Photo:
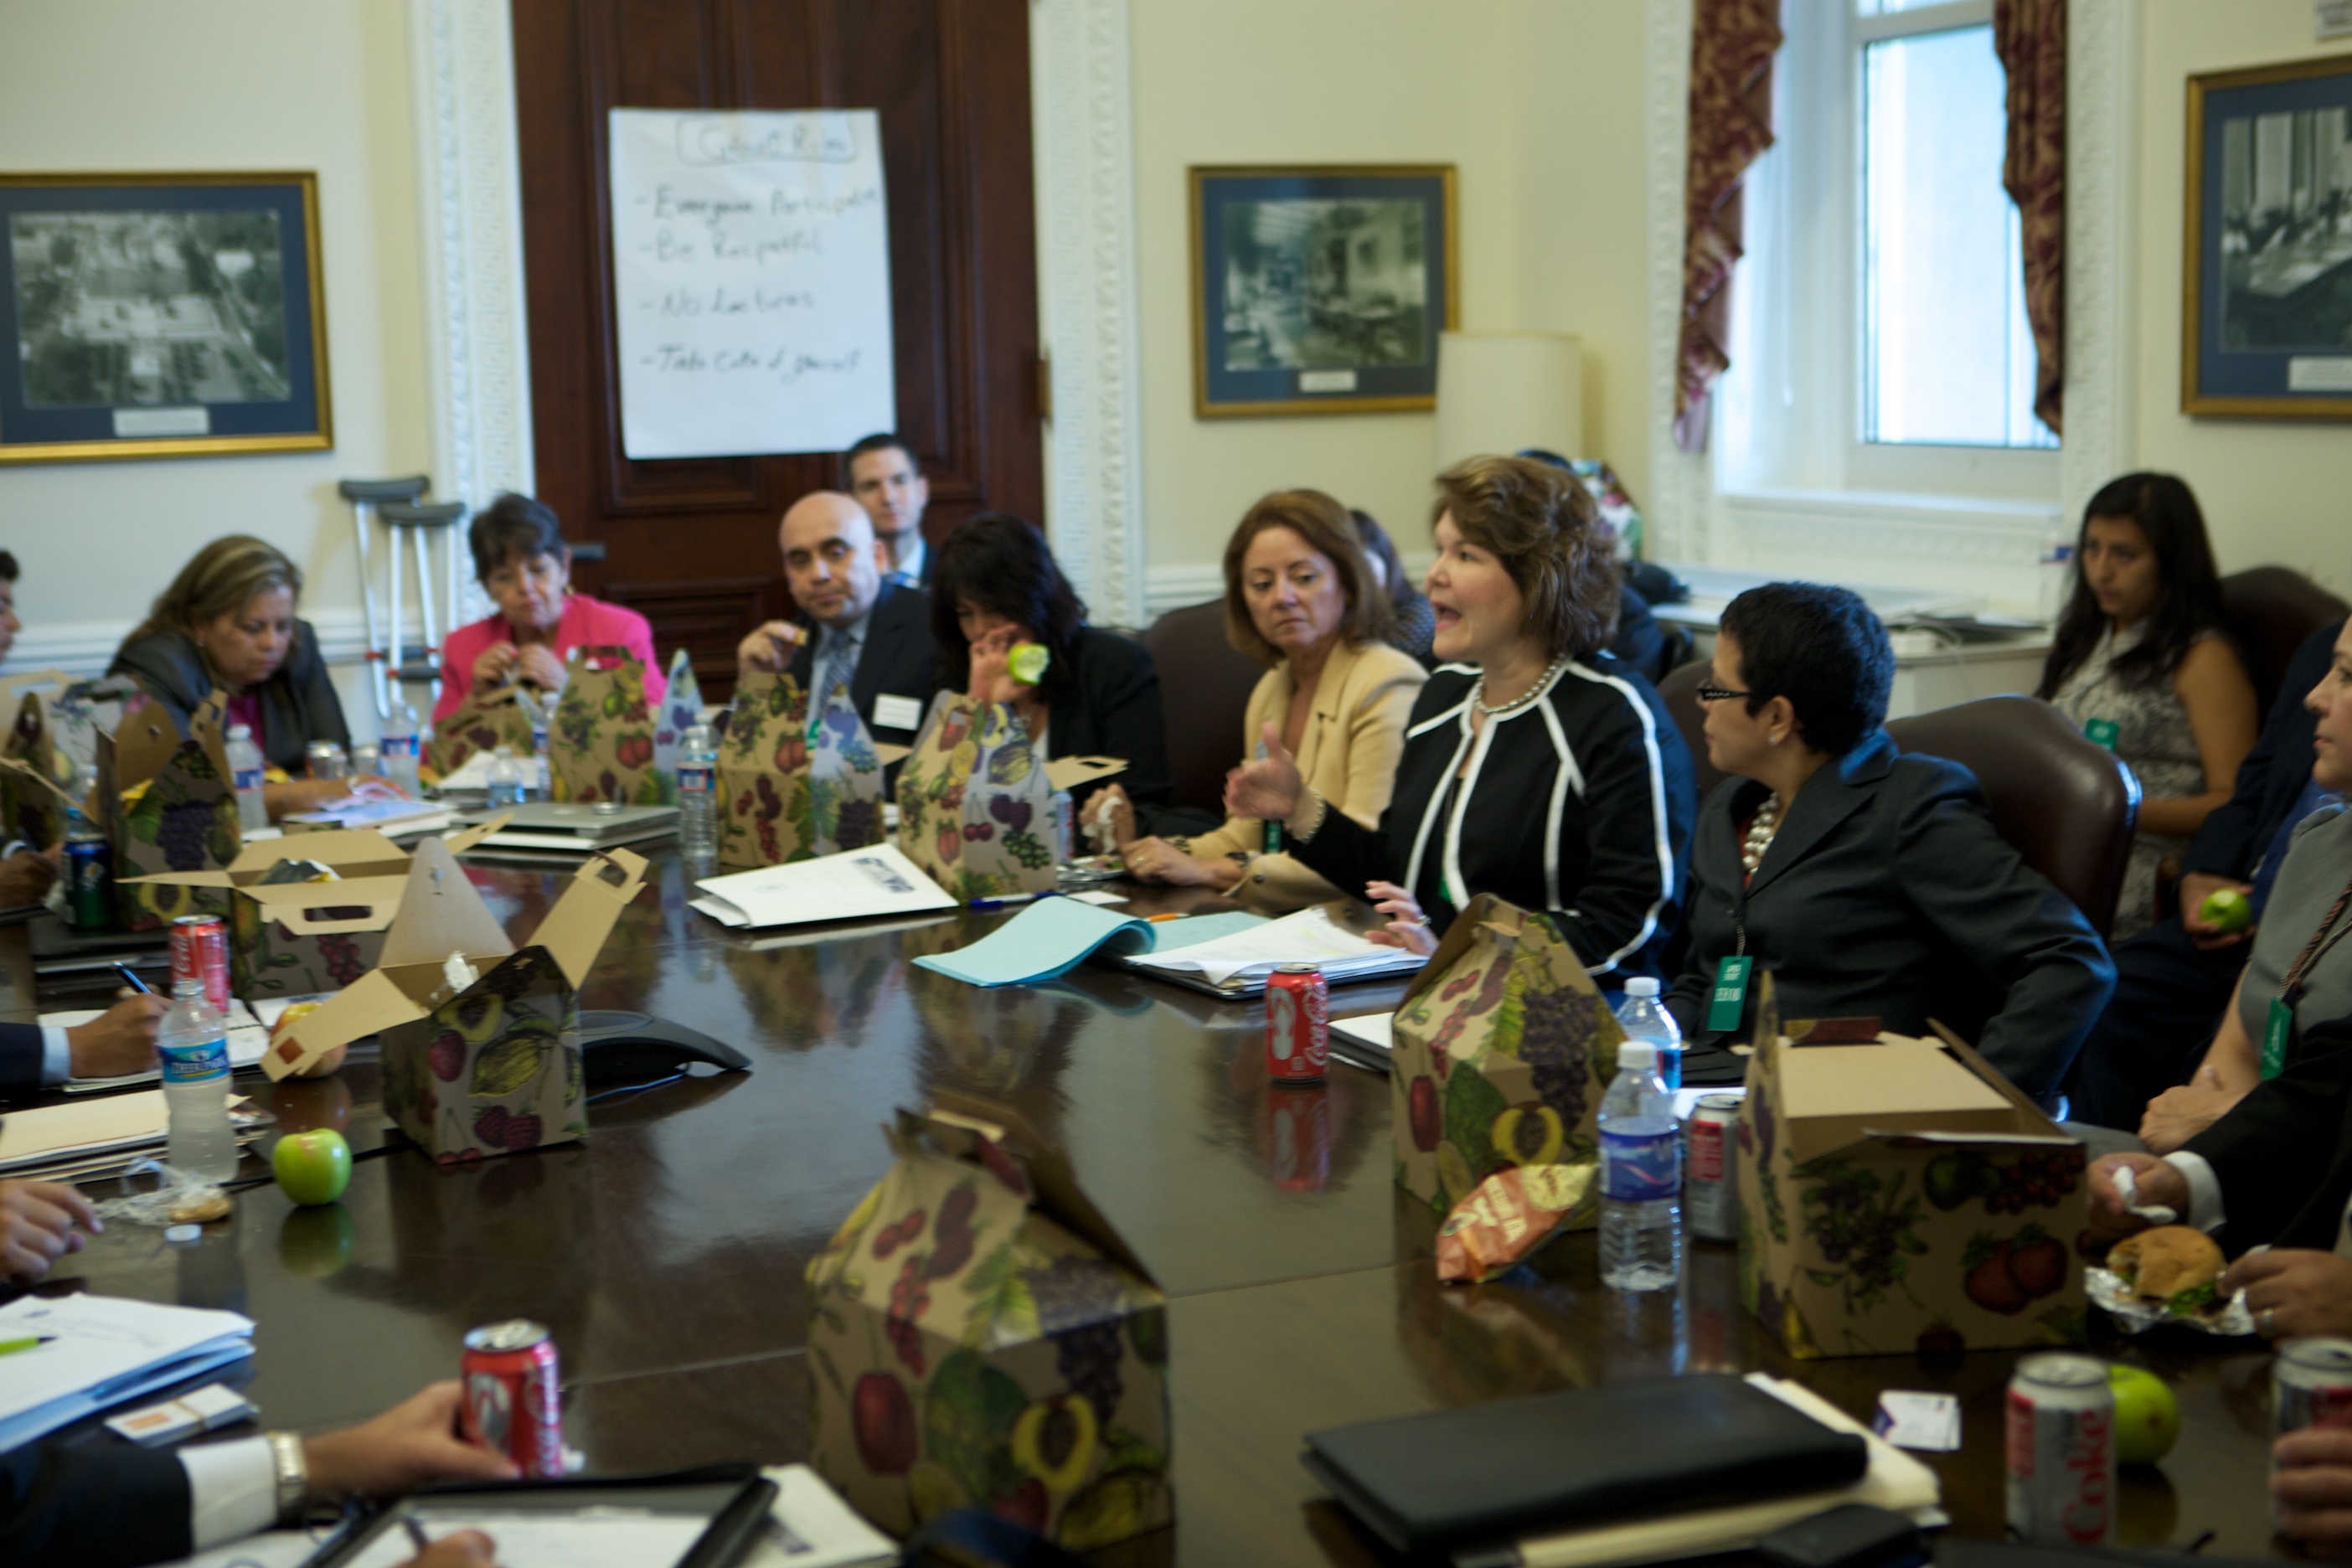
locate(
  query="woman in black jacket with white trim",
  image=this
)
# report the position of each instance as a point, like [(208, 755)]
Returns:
[(1537, 764)]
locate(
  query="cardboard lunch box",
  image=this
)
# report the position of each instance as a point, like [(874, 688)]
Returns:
[(184, 819), (1902, 1196), (492, 1067), (296, 939), (980, 1336)]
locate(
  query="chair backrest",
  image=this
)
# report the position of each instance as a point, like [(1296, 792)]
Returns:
[(2065, 805), (1679, 692), (2269, 612), (1204, 690)]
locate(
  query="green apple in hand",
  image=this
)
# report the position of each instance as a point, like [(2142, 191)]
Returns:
[(2227, 911), (2147, 1418), (313, 1167)]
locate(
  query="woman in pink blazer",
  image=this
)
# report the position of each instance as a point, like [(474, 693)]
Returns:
[(521, 560)]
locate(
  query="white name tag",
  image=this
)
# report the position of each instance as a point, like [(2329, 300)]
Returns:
[(897, 712)]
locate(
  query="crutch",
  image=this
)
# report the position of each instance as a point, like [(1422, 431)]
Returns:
[(417, 525), (365, 496)]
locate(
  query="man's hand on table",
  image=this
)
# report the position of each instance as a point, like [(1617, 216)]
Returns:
[(2311, 1483), (41, 1222), (2293, 1291)]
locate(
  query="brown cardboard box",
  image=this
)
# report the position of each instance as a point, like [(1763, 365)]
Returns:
[(298, 938), (1902, 1198), (493, 1067), (1504, 1048), (32, 793), (980, 1335)]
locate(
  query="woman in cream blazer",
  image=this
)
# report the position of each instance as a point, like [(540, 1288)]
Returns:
[(1300, 597)]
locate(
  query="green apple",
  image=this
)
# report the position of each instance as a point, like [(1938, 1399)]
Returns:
[(313, 1167), (2147, 1418), (2227, 909)]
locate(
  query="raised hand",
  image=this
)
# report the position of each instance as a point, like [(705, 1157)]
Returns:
[(1268, 787), (1408, 928), (991, 680)]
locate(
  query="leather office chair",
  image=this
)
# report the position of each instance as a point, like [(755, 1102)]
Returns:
[(2268, 612), (1204, 690), (2065, 805), (1679, 692)]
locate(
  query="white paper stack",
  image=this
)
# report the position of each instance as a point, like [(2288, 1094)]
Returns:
[(856, 884), (95, 1136), (1245, 958), (102, 1350)]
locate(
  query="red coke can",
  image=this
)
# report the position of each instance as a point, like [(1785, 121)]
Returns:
[(200, 952), (2062, 1451), (1299, 1139), (1297, 1025), (513, 1398)]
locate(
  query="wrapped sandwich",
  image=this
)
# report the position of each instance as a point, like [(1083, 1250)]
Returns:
[(2175, 1266)]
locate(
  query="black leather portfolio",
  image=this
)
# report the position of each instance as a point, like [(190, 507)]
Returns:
[(1457, 1477)]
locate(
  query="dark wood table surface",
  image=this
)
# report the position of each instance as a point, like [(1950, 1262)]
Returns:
[(666, 1251)]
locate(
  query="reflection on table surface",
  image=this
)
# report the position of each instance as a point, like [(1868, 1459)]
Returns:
[(667, 1252)]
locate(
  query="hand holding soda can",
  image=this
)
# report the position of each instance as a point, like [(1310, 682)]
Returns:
[(513, 1399)]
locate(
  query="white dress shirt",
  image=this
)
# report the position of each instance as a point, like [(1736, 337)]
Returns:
[(232, 1491)]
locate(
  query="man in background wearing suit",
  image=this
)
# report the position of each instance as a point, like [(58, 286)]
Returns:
[(862, 631), (882, 473)]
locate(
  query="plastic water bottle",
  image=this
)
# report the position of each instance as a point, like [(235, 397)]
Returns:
[(508, 785), (194, 1045), (398, 750), (542, 779), (244, 765), (1641, 1177), (698, 791), (1643, 1017), (2054, 575)]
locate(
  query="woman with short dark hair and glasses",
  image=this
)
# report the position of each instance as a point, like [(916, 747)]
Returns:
[(1865, 882)]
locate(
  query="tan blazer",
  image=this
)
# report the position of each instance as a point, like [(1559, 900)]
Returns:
[(1348, 755)]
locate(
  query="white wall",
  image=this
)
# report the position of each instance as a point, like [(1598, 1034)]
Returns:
[(158, 86)]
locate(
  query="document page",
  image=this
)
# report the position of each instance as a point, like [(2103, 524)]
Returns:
[(852, 885), (1308, 937), (594, 1538)]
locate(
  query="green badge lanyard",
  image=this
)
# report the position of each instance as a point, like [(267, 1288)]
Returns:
[(1728, 1003), (2279, 1029)]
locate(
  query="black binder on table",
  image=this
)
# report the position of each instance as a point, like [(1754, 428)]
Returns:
[(1453, 1478), (730, 1504)]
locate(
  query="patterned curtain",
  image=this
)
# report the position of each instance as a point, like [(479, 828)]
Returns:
[(2030, 36), (1732, 44)]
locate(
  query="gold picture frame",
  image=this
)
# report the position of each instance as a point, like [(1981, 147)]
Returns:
[(162, 315), (1374, 347), (2259, 379)]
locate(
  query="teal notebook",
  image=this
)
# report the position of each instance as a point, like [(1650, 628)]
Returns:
[(1053, 935)]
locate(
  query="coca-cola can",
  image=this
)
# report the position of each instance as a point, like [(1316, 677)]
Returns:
[(200, 952), (1710, 1187), (1299, 1139), (2062, 1451), (1297, 1024), (2311, 1386), (513, 1397)]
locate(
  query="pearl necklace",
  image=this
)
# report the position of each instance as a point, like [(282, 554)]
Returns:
[(1542, 685), (1759, 832)]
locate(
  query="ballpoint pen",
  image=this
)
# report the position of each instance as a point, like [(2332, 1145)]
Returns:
[(131, 978), (416, 1533), (1007, 902)]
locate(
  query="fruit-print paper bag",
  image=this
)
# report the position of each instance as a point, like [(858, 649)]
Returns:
[(171, 806), (483, 722), (789, 790), (1504, 1048), (975, 807), (28, 810), (600, 744)]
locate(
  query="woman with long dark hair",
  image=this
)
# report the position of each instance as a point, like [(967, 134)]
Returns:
[(996, 584), (2138, 659)]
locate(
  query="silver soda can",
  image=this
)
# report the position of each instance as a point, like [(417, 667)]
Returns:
[(1710, 1187), (327, 761), (2062, 1451)]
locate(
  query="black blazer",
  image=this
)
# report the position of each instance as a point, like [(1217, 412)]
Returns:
[(1110, 707), (2284, 1154), (20, 1058), (1579, 806), (2271, 779), (896, 660), (299, 704), (98, 1503), (1887, 893)]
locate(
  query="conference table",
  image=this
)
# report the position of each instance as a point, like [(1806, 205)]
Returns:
[(666, 1251)]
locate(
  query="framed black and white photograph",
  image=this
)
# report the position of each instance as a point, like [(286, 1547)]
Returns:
[(2267, 309), (160, 315), (1320, 290)]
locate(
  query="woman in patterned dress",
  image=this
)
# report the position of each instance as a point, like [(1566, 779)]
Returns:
[(2139, 660)]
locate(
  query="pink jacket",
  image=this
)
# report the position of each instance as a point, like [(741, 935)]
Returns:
[(587, 623)]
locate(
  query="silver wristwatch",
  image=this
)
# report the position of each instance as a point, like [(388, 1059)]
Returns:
[(293, 1472)]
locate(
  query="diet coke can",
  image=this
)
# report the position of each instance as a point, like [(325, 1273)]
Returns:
[(2311, 1386), (200, 952), (1710, 1192), (1297, 1025), (513, 1400), (2062, 1451)]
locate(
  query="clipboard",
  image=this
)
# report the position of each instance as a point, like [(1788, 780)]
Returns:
[(730, 1503)]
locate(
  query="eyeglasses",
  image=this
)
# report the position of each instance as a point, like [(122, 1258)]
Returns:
[(1707, 691)]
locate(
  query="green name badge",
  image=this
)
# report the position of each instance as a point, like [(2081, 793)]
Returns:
[(2276, 1032), (2101, 733), (1730, 999)]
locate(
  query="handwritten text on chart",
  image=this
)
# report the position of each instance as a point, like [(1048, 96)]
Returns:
[(752, 281)]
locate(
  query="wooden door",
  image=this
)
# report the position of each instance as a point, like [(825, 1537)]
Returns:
[(691, 543)]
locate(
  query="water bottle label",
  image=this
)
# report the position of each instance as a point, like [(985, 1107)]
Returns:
[(698, 781), (246, 779), (1637, 1167), (398, 746), (198, 1063)]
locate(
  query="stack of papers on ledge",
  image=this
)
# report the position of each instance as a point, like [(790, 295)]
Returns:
[(1238, 962), (93, 1136), (856, 884), (104, 1351)]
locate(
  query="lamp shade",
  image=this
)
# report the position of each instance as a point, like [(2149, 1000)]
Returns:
[(1499, 392)]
